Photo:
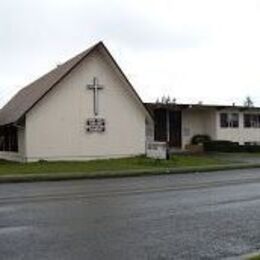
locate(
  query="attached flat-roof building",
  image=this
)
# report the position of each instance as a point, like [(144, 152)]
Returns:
[(178, 123)]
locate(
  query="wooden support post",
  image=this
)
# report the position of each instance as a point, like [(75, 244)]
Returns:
[(167, 134)]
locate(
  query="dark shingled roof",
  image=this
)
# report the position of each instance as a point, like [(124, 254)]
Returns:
[(25, 99)]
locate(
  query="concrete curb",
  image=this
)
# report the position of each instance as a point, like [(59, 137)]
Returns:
[(120, 174)]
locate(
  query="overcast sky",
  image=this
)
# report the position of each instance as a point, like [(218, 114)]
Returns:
[(194, 50)]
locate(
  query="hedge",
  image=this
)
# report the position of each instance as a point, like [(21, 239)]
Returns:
[(228, 146)]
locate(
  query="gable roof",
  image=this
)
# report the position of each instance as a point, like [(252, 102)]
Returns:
[(27, 97)]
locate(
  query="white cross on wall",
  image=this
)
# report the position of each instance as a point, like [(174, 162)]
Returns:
[(95, 87)]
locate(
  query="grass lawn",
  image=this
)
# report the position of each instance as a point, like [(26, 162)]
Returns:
[(136, 163), (257, 257)]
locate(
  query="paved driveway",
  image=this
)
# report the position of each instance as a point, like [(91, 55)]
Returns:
[(196, 216)]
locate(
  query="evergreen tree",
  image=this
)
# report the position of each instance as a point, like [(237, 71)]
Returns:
[(248, 102)]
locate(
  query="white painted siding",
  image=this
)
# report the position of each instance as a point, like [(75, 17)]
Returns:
[(21, 141), (55, 127), (197, 121), (239, 134)]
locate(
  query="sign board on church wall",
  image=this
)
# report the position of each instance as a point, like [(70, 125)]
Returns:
[(96, 125)]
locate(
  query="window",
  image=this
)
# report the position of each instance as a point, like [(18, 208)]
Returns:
[(223, 120), (247, 121), (252, 120), (8, 139), (229, 120), (234, 120)]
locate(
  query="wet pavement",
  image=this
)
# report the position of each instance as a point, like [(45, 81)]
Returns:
[(194, 216)]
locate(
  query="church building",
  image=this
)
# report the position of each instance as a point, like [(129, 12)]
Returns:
[(84, 109), (87, 109)]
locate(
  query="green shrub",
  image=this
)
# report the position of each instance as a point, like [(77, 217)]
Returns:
[(200, 139), (251, 148), (221, 146)]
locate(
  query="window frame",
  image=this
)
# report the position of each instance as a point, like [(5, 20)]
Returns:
[(251, 120), (224, 120), (229, 120)]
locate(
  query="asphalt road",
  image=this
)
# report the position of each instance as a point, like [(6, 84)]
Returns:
[(195, 216)]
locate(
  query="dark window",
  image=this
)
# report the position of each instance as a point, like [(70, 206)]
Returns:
[(223, 120), (233, 122), (160, 125), (252, 120), (229, 120), (247, 120), (8, 139)]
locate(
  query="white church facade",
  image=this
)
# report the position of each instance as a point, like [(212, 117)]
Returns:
[(83, 109)]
